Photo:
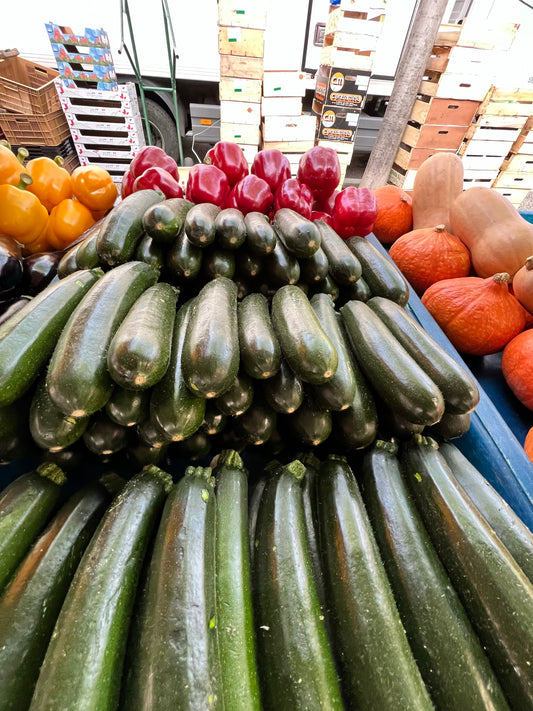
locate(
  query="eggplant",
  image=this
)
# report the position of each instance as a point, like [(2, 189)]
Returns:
[(11, 268), (11, 306), (39, 270)]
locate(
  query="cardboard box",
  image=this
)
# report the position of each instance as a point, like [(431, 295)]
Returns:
[(281, 106), (240, 112), (336, 86), (336, 123), (289, 128), (242, 13), (236, 89), (284, 84)]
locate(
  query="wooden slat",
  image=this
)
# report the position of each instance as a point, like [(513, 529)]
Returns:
[(241, 67), (289, 146), (233, 89), (241, 41)]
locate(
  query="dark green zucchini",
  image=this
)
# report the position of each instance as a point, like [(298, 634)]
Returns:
[(217, 262), (257, 423), (309, 494), (339, 391), (68, 262), (260, 352), (281, 267), (164, 220), (87, 254), (256, 488), (358, 290), (357, 426), (393, 425), (127, 407), (183, 260), (243, 286), (230, 229), (28, 338), (458, 387), (210, 356), (260, 237), (248, 264), (173, 408), (214, 420), (139, 352), (234, 616), (496, 593), (380, 273), (509, 528), (174, 657), (141, 454), (299, 235), (390, 370), (193, 449), (376, 665), (50, 428), (344, 266), (284, 392), (295, 661), (31, 603), (122, 227), (450, 426), (448, 653), (304, 343), (26, 505), (200, 224), (310, 425), (78, 380), (315, 268), (147, 250), (102, 436), (327, 286), (14, 424), (238, 398), (151, 434)]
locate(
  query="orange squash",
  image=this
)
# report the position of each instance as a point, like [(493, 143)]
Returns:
[(479, 316), (523, 284), (428, 255), (498, 237), (528, 444), (438, 181), (395, 213), (516, 367)]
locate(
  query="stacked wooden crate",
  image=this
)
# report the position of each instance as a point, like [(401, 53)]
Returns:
[(241, 47)]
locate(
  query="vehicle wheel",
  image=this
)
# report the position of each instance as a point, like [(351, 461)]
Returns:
[(163, 129)]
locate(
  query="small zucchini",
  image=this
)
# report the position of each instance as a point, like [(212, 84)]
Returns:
[(127, 407), (50, 428), (217, 262), (281, 267), (87, 254), (148, 251), (68, 262), (230, 228), (309, 424), (357, 426), (450, 426), (299, 235), (103, 437), (260, 237), (315, 268), (214, 420), (200, 224), (257, 423), (380, 273), (344, 266), (284, 392), (260, 352), (238, 398), (164, 220), (183, 260)]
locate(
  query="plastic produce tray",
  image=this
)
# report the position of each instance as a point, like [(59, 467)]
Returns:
[(35, 129), (26, 87)]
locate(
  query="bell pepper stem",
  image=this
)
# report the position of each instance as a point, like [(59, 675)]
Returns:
[(25, 181), (22, 154)]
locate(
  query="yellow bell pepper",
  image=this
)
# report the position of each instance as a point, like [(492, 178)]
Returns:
[(94, 187), (10, 167), (22, 216), (40, 244), (68, 220), (51, 182)]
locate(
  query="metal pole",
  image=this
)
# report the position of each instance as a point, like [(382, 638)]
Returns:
[(171, 50)]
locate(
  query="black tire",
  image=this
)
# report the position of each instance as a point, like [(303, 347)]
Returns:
[(163, 128)]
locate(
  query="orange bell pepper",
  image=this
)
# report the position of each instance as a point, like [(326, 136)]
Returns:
[(68, 220), (40, 244), (51, 182), (21, 214), (94, 187), (10, 167)]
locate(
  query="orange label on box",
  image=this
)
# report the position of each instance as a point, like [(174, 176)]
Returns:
[(205, 122)]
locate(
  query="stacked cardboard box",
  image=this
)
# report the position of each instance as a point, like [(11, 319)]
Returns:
[(515, 177)]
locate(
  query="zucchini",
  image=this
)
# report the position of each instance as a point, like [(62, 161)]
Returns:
[(173, 408), (390, 370), (358, 290), (139, 352), (238, 398), (127, 407), (260, 352), (174, 658), (78, 380), (496, 593), (14, 421), (141, 454), (380, 273), (299, 235), (147, 250), (284, 392), (183, 260), (210, 356), (234, 615), (214, 420), (217, 263), (248, 265), (26, 505), (391, 424), (68, 262), (304, 343), (257, 423), (339, 391), (200, 224), (94, 619), (327, 286), (309, 424), (344, 266), (450, 426), (449, 655), (281, 267), (29, 337), (378, 670), (50, 428), (357, 426), (230, 229), (163, 221), (509, 528), (243, 287), (122, 227), (193, 449), (315, 268), (102, 436), (255, 492), (260, 237), (87, 254), (296, 664), (149, 433), (31, 603), (458, 387)]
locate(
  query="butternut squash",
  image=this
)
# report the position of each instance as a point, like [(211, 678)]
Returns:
[(523, 284), (438, 181)]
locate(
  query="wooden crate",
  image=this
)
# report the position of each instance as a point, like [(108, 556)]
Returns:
[(281, 106), (235, 89), (289, 128), (412, 158), (347, 58), (488, 34), (241, 41), (241, 67), (463, 86), (349, 40), (288, 146), (483, 132), (519, 181), (487, 148), (524, 140), (250, 151), (433, 136), (240, 133), (515, 195), (519, 163), (285, 84), (351, 22), (240, 112), (444, 112), (244, 13)]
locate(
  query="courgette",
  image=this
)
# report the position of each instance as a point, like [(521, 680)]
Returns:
[(390, 370), (139, 352), (450, 426), (217, 262), (77, 379), (304, 343), (248, 265), (358, 290), (315, 268), (102, 436), (174, 661), (87, 254), (214, 420), (127, 407), (376, 664), (28, 339), (327, 286), (193, 449), (309, 424), (238, 398), (260, 237), (299, 235), (151, 434), (496, 593), (380, 273), (260, 352), (200, 224), (68, 262), (32, 601), (164, 220), (183, 260), (230, 229), (14, 425), (83, 663), (281, 267), (211, 349), (147, 250), (122, 227), (344, 266), (284, 392), (295, 660), (257, 423), (357, 426), (50, 428)]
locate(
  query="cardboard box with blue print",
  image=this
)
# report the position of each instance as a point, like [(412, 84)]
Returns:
[(341, 87), (336, 123)]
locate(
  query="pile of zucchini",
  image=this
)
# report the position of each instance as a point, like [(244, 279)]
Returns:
[(398, 579), (178, 328)]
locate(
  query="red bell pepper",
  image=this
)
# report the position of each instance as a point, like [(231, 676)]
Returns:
[(126, 187), (355, 212), (317, 215), (151, 156), (229, 157), (207, 183), (327, 204), (291, 193), (158, 179), (251, 194), (272, 166), (319, 168)]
